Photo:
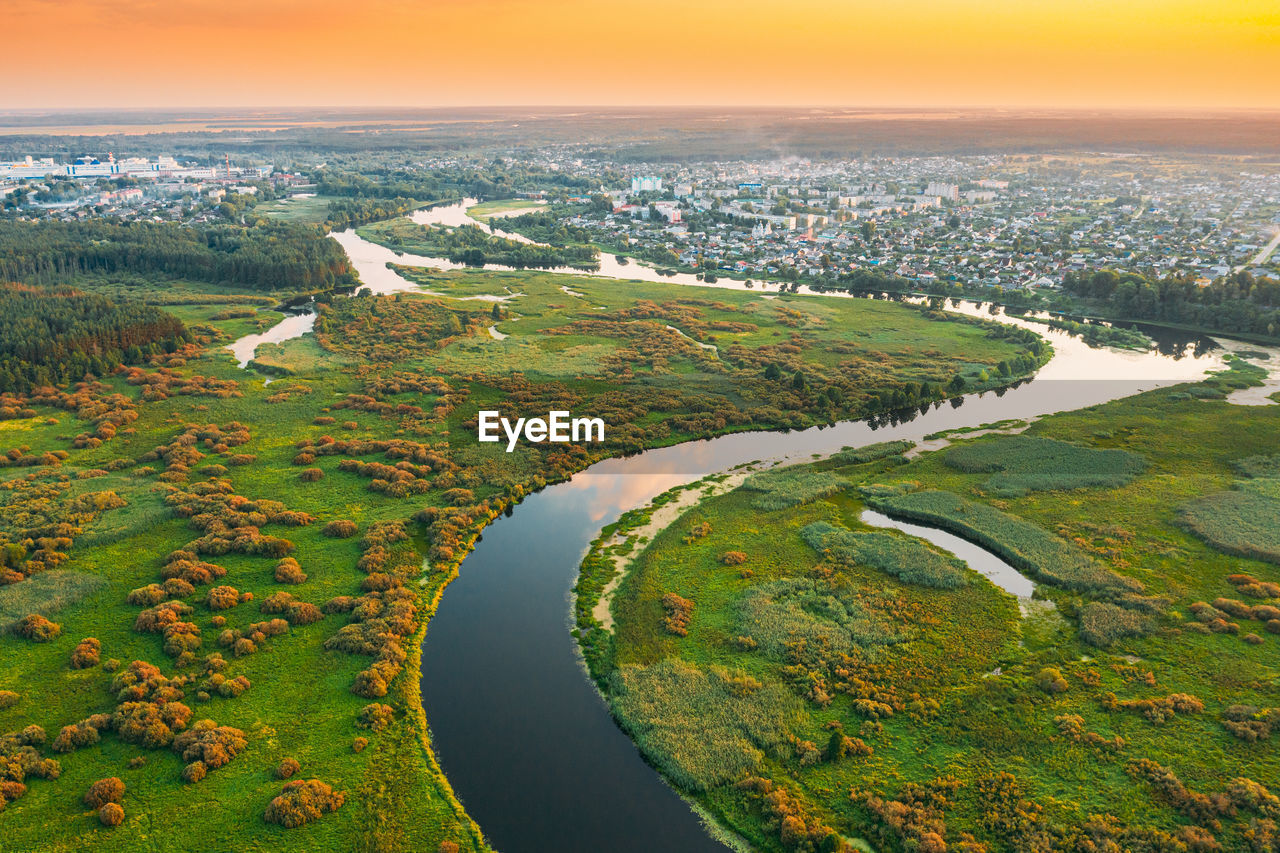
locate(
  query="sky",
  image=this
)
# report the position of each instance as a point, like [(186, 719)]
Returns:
[(1024, 53)]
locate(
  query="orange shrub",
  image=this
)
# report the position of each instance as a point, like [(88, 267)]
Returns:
[(86, 653), (111, 814), (222, 598), (340, 529), (104, 791), (288, 571), (302, 801), (36, 628)]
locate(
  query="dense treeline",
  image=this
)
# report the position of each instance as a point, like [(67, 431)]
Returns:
[(349, 212), (55, 336), (268, 256), (497, 179), (1236, 303), (546, 227), (472, 245)]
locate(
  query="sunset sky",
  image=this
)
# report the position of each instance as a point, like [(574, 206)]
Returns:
[(1056, 53)]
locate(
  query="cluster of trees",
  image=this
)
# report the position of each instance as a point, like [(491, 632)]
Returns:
[(349, 212), (547, 227), (267, 256), (473, 246), (53, 336), (1237, 303)]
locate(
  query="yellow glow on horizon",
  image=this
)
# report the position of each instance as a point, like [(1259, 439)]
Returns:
[(1052, 53)]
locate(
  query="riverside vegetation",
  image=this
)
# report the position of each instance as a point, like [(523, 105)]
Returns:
[(832, 686), (214, 589)]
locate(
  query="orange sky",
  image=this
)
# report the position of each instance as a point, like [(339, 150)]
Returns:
[(1072, 53)]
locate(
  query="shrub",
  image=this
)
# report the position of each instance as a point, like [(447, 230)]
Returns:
[(86, 653), (104, 791), (1249, 723), (302, 801), (194, 772), (223, 598), (1025, 463), (288, 768), (359, 744), (1251, 586), (1157, 710), (111, 814), (288, 571), (148, 724), (340, 604), (733, 558), (146, 595), (36, 628), (340, 529), (1050, 680), (209, 745), (376, 716), (311, 475), (8, 699), (679, 614), (1102, 624)]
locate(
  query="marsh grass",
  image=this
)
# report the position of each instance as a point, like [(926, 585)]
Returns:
[(908, 560), (791, 486), (45, 593), (1022, 543), (1244, 521), (1024, 463), (782, 612), (701, 727)]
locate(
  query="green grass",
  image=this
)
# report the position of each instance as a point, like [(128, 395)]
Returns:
[(486, 209), (1244, 521), (903, 557), (312, 210), (1024, 463)]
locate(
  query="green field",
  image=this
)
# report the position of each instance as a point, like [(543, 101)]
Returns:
[(371, 420), (313, 209), (1129, 708), (486, 209)]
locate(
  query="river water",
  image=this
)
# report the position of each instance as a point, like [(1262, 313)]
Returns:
[(523, 737)]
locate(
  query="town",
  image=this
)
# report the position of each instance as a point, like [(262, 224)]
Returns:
[(1014, 222)]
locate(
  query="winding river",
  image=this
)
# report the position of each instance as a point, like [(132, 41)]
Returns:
[(525, 740)]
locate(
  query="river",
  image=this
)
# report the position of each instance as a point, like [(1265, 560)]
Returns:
[(523, 737)]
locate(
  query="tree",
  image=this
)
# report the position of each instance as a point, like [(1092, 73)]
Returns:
[(773, 372), (797, 381)]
